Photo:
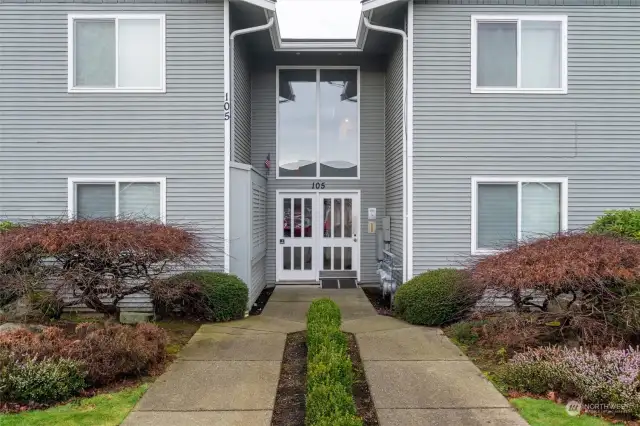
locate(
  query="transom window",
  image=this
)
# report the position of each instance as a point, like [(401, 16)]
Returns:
[(121, 53), (113, 198), (507, 210), (519, 54), (318, 123)]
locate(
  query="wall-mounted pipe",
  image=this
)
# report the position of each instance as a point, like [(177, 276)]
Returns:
[(405, 160), (232, 88)]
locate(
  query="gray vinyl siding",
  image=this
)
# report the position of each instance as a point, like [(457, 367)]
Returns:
[(48, 134), (371, 182), (393, 152), (589, 135), (242, 105)]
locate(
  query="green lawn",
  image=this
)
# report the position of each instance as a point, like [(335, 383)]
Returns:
[(543, 412), (108, 409)]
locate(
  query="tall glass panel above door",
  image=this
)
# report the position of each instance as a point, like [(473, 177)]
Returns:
[(339, 127), (297, 123)]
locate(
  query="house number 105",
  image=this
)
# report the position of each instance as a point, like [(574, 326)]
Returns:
[(317, 185)]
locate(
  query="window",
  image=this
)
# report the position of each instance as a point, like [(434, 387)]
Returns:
[(116, 53), (108, 198), (519, 54), (318, 123), (506, 210)]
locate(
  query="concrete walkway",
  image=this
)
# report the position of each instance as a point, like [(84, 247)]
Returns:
[(228, 374)]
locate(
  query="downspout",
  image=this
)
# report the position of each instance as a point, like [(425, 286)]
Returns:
[(232, 88), (405, 195)]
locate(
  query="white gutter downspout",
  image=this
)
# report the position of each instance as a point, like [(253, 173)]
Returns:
[(405, 247), (232, 90)]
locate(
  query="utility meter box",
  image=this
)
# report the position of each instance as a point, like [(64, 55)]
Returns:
[(386, 228)]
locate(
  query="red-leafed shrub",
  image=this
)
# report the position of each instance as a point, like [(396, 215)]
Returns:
[(99, 262), (106, 353), (119, 351), (588, 282)]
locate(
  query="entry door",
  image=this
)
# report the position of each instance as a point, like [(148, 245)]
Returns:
[(339, 244), (296, 229)]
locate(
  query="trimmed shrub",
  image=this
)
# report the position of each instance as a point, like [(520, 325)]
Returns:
[(46, 380), (107, 354), (324, 311), (620, 223), (464, 333), (330, 366), (206, 295), (328, 402), (329, 370), (98, 262), (435, 297), (611, 378)]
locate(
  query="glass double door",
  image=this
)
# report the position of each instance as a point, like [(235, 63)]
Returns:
[(316, 231)]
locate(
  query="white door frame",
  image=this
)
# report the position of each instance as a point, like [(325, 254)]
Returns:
[(318, 221)]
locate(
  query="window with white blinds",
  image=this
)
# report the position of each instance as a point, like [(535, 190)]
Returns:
[(128, 198), (508, 210), (123, 53)]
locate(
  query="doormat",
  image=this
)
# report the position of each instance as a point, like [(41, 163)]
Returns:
[(339, 283)]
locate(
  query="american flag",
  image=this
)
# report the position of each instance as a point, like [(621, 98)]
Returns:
[(267, 162)]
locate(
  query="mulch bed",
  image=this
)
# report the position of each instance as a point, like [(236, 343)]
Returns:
[(361, 394), (380, 304), (259, 305), (289, 407), (290, 400)]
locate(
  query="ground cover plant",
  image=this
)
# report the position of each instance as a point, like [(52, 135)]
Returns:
[(329, 369)]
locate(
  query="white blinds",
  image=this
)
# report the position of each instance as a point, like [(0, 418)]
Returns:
[(96, 201), (95, 53), (139, 53), (140, 200), (497, 215), (540, 209), (497, 54), (541, 54)]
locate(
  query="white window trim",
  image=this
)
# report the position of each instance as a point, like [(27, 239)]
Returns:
[(116, 17), (72, 194), (317, 68), (564, 204), (518, 18)]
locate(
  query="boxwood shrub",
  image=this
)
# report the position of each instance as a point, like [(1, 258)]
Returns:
[(434, 298), (620, 223), (329, 369)]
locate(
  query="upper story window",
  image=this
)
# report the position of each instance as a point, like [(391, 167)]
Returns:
[(506, 210), (117, 53), (318, 123), (522, 54), (111, 198)]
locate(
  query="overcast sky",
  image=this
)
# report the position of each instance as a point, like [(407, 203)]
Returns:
[(318, 18)]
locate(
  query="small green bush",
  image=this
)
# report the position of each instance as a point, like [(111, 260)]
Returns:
[(620, 223), (46, 380), (5, 225), (329, 367), (324, 311), (47, 303), (464, 333), (434, 298), (327, 402), (224, 296)]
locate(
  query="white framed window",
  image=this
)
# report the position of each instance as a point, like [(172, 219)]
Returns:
[(116, 53), (318, 122), (113, 198), (519, 54), (506, 210)]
